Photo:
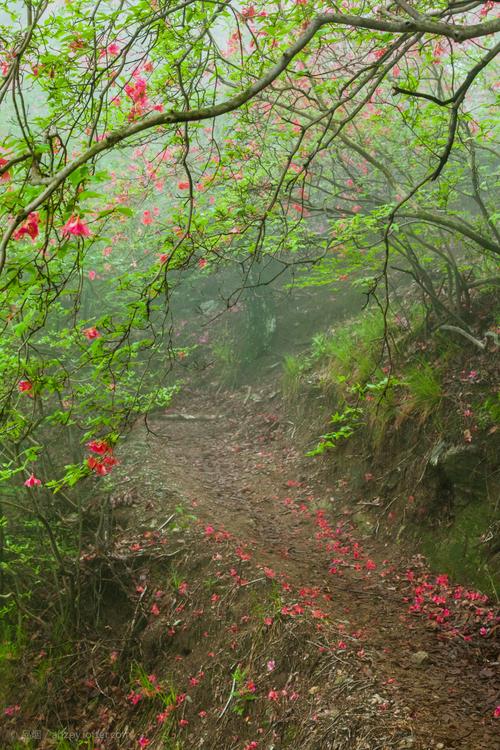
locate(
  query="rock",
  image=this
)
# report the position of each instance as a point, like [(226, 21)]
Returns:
[(459, 464), (419, 658)]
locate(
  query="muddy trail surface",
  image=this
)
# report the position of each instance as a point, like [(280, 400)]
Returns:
[(230, 459)]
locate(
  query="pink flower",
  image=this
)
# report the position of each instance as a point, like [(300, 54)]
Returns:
[(32, 481), (271, 664), (183, 185), (183, 587), (134, 699), (164, 257), (154, 610), (160, 718), (91, 333), (137, 92), (29, 227), (318, 614), (143, 741), (24, 385), (242, 554), (442, 580), (249, 11), (92, 275), (11, 710), (273, 695), (202, 263), (76, 227), (488, 5), (183, 722), (147, 218), (113, 49), (496, 712)]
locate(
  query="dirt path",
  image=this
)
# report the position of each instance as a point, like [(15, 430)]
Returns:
[(235, 466)]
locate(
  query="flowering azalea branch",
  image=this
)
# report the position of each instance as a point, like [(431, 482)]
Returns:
[(421, 24)]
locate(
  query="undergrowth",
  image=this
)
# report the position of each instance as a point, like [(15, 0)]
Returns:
[(370, 365), (401, 395)]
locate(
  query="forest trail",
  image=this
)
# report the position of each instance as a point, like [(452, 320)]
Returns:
[(234, 466)]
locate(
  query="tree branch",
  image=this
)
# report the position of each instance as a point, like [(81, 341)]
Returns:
[(423, 25)]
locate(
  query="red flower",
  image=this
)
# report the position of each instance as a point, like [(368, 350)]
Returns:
[(76, 227), (32, 481), (91, 333), (147, 218), (29, 227), (99, 446), (24, 385), (103, 466)]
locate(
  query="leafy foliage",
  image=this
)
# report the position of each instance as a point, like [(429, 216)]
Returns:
[(347, 422)]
